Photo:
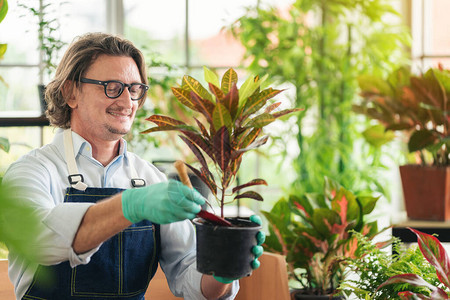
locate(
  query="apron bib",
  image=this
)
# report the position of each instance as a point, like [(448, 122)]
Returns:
[(121, 269)]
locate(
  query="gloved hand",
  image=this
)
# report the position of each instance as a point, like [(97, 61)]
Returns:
[(256, 250), (161, 203)]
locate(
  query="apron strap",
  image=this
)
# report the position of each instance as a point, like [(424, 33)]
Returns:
[(76, 179)]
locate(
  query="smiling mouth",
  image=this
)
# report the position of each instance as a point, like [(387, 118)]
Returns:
[(120, 114)]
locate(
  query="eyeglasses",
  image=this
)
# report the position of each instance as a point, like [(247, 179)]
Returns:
[(115, 88)]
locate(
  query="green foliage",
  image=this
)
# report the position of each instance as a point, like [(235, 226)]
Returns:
[(3, 11), (321, 47), (16, 233), (316, 234), (48, 30), (374, 265), (228, 124), (416, 105)]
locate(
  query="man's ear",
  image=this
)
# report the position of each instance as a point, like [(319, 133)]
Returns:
[(70, 92)]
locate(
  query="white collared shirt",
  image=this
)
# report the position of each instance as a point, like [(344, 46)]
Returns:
[(40, 179)]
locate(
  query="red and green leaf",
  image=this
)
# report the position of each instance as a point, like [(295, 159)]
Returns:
[(416, 280), (260, 121), (221, 117), (436, 255), (250, 183), (231, 101), (272, 107), (164, 120), (251, 195), (222, 148), (286, 112), (198, 154), (205, 107), (229, 78), (170, 128), (206, 177), (255, 102), (184, 96), (202, 129), (200, 142), (216, 91), (191, 84)]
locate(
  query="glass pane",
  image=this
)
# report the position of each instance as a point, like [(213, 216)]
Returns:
[(211, 43), (19, 31), (22, 140), (19, 92), (157, 27), (439, 39)]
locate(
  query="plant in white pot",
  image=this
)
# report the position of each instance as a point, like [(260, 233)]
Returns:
[(229, 123), (419, 107)]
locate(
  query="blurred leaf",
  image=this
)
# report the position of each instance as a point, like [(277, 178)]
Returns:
[(4, 144), (377, 135), (211, 77), (3, 10), (229, 78)]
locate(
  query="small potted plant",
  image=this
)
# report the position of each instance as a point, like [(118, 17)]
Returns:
[(229, 123), (49, 41), (315, 234), (418, 106)]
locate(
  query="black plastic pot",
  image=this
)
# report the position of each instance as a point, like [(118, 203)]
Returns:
[(226, 251), (43, 103), (303, 295)]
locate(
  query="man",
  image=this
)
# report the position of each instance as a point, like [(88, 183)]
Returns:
[(108, 217)]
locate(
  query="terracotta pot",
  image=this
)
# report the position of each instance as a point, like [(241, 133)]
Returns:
[(426, 190)]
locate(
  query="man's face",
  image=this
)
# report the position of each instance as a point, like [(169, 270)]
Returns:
[(94, 115)]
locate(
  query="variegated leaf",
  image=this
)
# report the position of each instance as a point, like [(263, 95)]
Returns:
[(193, 85), (231, 101), (205, 107), (170, 128), (436, 255), (285, 112), (222, 148), (260, 121), (221, 117), (255, 102), (272, 107), (164, 120), (202, 129), (198, 154), (197, 139), (250, 183), (251, 195), (229, 78), (184, 96), (217, 92), (204, 177)]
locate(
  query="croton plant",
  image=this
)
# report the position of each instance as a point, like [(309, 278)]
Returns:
[(229, 123), (417, 105), (436, 255), (315, 233)]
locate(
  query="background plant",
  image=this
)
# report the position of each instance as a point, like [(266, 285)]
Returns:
[(315, 233), (48, 25), (320, 48), (417, 105), (229, 123)]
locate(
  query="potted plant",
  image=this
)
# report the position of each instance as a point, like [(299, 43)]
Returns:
[(229, 123), (436, 255), (417, 105), (49, 41), (316, 234)]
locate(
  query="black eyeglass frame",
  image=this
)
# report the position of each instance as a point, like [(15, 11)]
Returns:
[(105, 84)]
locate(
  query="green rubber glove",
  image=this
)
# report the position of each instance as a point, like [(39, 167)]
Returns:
[(161, 203), (256, 250)]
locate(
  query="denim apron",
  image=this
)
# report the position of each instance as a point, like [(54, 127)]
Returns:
[(121, 269)]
